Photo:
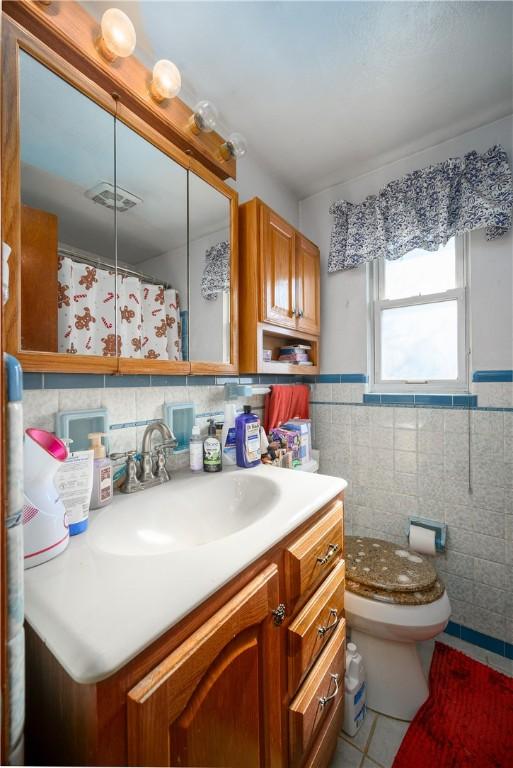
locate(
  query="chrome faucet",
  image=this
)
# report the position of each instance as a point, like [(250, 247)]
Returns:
[(149, 473)]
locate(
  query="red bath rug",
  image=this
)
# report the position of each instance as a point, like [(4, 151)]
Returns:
[(467, 721)]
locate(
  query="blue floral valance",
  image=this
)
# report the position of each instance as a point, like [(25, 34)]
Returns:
[(424, 209), (216, 275)]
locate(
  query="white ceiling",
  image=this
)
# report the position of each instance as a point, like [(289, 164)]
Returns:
[(325, 91)]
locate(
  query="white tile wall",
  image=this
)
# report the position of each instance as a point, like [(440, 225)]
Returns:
[(403, 461), (124, 404)]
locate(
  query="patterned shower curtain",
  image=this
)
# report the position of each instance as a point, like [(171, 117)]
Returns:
[(148, 315)]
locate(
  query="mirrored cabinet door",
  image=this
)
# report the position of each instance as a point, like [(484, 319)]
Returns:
[(151, 225), (67, 218), (209, 272)]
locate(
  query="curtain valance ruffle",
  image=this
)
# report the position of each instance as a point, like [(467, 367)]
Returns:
[(424, 209)]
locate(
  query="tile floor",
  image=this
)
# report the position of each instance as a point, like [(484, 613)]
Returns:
[(378, 740)]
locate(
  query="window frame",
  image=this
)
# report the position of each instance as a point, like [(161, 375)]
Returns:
[(377, 304)]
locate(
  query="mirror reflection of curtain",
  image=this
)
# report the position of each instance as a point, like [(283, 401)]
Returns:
[(216, 275), (149, 323)]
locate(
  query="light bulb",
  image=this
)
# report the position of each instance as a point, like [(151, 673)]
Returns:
[(118, 35), (166, 82), (234, 146), (204, 118)]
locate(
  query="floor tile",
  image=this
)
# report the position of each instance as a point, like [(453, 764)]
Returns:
[(361, 738), (386, 740), (346, 756), (368, 763)]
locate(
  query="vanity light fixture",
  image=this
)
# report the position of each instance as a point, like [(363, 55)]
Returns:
[(204, 119), (166, 81), (117, 37), (235, 146)]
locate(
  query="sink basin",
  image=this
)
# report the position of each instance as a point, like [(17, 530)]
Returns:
[(184, 514)]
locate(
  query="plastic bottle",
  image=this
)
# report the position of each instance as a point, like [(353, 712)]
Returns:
[(247, 437), (228, 435), (355, 691), (196, 450), (212, 450), (102, 472)]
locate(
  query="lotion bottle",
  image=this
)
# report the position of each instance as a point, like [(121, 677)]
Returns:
[(247, 436), (102, 472), (196, 450), (212, 450)]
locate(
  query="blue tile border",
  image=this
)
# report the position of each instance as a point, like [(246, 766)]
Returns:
[(340, 378), (78, 380), (411, 404), (447, 401), (489, 643), (491, 376)]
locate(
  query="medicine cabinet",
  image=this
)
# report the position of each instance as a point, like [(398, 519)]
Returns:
[(124, 247)]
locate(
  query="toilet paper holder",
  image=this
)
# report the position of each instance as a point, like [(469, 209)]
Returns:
[(440, 530)]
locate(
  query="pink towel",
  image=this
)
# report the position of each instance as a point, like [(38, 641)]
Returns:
[(286, 402)]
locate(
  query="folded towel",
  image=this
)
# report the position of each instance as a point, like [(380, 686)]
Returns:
[(286, 402)]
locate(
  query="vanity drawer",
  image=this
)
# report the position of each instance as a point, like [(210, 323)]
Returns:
[(319, 695), (314, 625), (313, 555)]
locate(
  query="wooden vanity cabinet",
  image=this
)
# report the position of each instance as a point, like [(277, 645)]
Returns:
[(236, 683), (211, 701), (279, 288)]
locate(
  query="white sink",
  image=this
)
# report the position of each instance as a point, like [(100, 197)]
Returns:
[(183, 515)]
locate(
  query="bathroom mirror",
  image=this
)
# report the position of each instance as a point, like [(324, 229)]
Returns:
[(151, 226), (209, 272), (67, 218)]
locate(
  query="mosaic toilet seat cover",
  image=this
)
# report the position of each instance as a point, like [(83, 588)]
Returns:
[(419, 597), (383, 565)]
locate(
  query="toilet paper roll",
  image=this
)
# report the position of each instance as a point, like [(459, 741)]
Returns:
[(422, 540)]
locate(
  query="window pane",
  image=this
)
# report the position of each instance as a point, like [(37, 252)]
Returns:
[(420, 272), (420, 342)]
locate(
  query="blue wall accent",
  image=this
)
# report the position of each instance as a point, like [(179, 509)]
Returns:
[(97, 381), (340, 378), (461, 401), (485, 376), (480, 638)]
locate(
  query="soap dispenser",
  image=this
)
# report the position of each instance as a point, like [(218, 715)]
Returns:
[(102, 472)]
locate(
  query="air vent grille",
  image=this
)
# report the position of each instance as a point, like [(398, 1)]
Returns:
[(104, 194)]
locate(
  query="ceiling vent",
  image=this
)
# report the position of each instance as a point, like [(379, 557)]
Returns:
[(103, 193)]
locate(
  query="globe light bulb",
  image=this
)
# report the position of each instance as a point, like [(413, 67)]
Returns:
[(166, 82), (204, 118), (118, 35), (234, 146)]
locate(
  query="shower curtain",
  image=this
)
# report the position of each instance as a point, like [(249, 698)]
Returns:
[(148, 315)]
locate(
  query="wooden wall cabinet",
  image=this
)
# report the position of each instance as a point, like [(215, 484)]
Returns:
[(238, 682), (279, 290)]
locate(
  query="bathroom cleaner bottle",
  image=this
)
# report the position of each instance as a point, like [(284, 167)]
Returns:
[(212, 450), (247, 438), (355, 695), (196, 450), (228, 434), (102, 472)]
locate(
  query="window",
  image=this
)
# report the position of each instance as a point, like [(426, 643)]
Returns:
[(418, 322)]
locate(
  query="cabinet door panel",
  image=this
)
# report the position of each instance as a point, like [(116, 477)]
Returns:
[(278, 262), (214, 701), (308, 278)]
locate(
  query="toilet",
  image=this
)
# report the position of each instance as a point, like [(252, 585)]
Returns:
[(393, 600)]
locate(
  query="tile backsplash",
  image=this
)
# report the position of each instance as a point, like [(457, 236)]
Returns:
[(129, 408), (447, 464)]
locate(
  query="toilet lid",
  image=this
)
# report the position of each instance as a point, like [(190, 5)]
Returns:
[(419, 597), (386, 566)]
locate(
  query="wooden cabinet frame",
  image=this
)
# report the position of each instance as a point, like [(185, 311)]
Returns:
[(48, 45)]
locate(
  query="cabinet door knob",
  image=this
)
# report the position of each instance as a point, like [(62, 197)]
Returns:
[(279, 614), (300, 313)]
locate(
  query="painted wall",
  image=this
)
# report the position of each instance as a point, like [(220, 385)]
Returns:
[(344, 294), (256, 179)]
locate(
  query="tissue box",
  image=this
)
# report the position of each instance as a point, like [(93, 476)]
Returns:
[(304, 428)]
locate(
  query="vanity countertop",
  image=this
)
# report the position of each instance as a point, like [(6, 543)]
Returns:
[(96, 608)]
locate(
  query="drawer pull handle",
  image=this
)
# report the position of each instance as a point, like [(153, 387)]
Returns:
[(332, 548), (322, 630), (323, 700)]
